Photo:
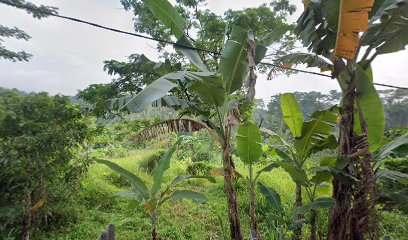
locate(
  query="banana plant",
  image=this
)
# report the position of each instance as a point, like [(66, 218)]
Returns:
[(308, 137), (398, 146), (209, 95), (348, 36), (153, 199), (249, 148), (284, 217)]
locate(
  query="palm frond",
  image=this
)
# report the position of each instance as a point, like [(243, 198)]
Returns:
[(173, 125), (311, 60)]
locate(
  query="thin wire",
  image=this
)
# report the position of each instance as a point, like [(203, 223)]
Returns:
[(192, 48), (295, 69), (200, 49), (132, 34)]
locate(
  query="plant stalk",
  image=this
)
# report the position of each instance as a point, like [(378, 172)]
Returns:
[(252, 205), (298, 232), (235, 225), (313, 224), (154, 224)]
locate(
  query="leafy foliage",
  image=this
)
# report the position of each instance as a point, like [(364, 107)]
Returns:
[(249, 143), (153, 199), (40, 138), (292, 115), (32, 9), (209, 28), (370, 106)]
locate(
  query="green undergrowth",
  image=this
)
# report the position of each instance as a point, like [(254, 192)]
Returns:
[(95, 206)]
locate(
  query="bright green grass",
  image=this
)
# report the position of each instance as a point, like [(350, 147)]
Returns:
[(178, 220), (96, 206)]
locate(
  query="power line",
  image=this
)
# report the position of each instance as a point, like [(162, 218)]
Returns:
[(190, 47), (132, 34), (295, 69), (200, 49)]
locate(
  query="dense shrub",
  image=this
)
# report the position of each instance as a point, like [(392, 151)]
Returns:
[(393, 193), (199, 168), (397, 164), (40, 137), (150, 163), (202, 156)]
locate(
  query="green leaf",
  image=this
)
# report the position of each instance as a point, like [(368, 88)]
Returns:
[(186, 194), (166, 13), (316, 134), (249, 143), (391, 146), (271, 196), (297, 224), (233, 64), (275, 136), (388, 27), (292, 114), (317, 204), (371, 106), (297, 175), (164, 164), (272, 37), (268, 168), (321, 177), (392, 175), (129, 194), (149, 94), (317, 26), (137, 184), (283, 155), (191, 54), (260, 52), (209, 88), (173, 102)]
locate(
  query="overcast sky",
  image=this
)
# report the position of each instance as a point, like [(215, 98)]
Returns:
[(69, 56)]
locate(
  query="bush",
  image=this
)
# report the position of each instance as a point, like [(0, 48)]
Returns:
[(202, 157), (199, 168), (393, 193), (40, 138), (394, 225), (117, 179), (397, 164), (150, 163)]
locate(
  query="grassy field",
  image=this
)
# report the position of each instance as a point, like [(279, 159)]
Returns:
[(95, 205)]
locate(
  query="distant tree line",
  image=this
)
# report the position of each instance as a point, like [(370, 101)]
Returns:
[(395, 106)]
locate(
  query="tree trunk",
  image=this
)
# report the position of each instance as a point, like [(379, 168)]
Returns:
[(27, 218), (154, 223), (342, 193), (252, 207), (235, 225), (313, 224), (353, 216), (298, 232)]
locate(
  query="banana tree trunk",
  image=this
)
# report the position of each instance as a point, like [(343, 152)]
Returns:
[(252, 206), (313, 224), (298, 232), (154, 224), (235, 225), (342, 193), (354, 216)]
